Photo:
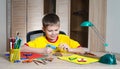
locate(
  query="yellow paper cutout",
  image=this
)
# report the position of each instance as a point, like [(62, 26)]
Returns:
[(74, 58)]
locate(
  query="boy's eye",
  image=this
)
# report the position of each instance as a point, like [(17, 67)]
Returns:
[(56, 30), (52, 30), (49, 30)]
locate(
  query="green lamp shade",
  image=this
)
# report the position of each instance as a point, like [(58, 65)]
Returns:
[(108, 59), (86, 24)]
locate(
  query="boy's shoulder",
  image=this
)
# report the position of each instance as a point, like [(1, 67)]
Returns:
[(64, 36)]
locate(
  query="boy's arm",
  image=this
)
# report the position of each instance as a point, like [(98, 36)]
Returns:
[(26, 48), (66, 47), (79, 50)]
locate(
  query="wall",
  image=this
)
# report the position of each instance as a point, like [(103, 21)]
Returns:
[(113, 26), (97, 15), (63, 11), (2, 26)]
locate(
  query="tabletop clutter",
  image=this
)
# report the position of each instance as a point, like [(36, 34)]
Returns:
[(15, 56), (27, 57), (15, 43)]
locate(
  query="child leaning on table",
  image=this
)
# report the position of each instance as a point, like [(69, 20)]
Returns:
[(51, 28)]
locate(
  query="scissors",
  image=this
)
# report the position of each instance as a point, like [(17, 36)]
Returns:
[(39, 61)]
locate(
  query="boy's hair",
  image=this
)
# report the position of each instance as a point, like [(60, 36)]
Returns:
[(50, 20)]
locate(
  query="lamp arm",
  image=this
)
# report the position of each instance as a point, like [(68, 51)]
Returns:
[(98, 34), (89, 24)]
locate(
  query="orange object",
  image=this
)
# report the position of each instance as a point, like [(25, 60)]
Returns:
[(27, 61), (81, 60)]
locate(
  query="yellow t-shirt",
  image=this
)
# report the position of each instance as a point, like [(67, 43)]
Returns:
[(41, 42)]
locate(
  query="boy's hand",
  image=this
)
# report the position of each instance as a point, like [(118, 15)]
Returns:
[(48, 50), (64, 46)]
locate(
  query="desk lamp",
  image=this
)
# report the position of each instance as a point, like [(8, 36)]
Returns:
[(107, 58)]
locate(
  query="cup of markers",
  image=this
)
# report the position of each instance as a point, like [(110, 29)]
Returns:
[(15, 44)]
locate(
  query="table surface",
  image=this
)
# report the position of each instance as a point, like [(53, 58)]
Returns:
[(56, 63)]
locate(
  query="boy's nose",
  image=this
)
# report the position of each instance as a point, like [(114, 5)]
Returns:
[(53, 32)]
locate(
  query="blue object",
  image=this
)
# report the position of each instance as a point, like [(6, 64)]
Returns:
[(51, 46), (105, 44), (7, 55), (108, 59), (17, 61), (86, 24), (28, 54)]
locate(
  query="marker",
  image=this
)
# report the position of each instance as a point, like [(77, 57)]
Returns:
[(51, 46), (10, 43)]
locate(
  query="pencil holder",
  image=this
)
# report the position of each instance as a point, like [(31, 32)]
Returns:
[(14, 55)]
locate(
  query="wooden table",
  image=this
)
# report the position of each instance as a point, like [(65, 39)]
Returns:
[(55, 64)]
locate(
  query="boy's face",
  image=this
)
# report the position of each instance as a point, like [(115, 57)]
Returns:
[(52, 32)]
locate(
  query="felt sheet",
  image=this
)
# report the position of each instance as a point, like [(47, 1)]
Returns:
[(30, 55), (76, 59)]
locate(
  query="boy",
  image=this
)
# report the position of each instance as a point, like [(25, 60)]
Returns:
[(51, 28)]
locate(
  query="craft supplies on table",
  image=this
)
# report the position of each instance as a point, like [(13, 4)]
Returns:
[(15, 44), (79, 59)]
